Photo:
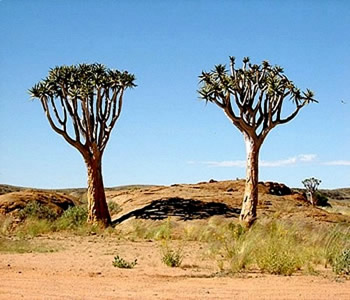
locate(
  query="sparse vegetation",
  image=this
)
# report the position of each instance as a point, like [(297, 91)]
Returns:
[(171, 257), (23, 246), (270, 247), (229, 245), (37, 210), (341, 263), (335, 242), (114, 207), (37, 220), (158, 230), (120, 262), (273, 246), (33, 227), (280, 251)]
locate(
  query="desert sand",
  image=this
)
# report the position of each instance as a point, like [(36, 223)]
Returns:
[(82, 269)]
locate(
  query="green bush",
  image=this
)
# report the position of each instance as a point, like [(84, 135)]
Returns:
[(120, 262), (341, 264), (171, 257), (38, 211), (321, 199), (73, 217)]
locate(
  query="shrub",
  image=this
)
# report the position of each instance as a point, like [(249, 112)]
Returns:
[(171, 257), (73, 217), (37, 210), (321, 199), (120, 262), (341, 264)]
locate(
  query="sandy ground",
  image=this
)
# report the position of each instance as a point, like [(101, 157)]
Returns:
[(82, 269)]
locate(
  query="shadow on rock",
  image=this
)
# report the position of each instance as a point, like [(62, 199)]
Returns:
[(185, 209)]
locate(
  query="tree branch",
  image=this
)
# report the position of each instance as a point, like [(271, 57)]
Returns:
[(60, 131), (293, 115), (105, 134), (56, 112)]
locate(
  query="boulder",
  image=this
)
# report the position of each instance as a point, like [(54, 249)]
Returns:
[(12, 203), (278, 189)]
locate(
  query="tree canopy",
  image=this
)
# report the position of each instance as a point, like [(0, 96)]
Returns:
[(91, 95), (252, 96)]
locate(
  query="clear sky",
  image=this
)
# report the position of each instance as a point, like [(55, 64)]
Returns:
[(166, 134)]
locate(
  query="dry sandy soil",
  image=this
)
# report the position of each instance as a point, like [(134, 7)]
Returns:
[(81, 267)]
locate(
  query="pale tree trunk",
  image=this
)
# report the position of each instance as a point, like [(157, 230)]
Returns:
[(250, 199), (97, 205)]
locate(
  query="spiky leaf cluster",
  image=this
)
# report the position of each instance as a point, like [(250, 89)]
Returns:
[(81, 81), (311, 184), (91, 96), (256, 91), (264, 77)]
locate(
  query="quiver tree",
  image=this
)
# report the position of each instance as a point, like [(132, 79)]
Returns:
[(82, 103), (252, 98), (311, 186)]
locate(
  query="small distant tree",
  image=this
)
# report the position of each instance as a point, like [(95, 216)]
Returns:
[(311, 186), (252, 98), (82, 103)]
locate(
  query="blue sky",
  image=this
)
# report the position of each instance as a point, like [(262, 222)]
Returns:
[(166, 134)]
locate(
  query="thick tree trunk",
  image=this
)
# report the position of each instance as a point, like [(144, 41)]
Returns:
[(97, 204), (250, 199)]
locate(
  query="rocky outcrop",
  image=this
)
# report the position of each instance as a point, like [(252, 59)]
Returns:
[(278, 189), (12, 203)]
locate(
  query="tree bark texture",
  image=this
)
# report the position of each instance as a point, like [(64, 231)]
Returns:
[(97, 204), (250, 199)]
